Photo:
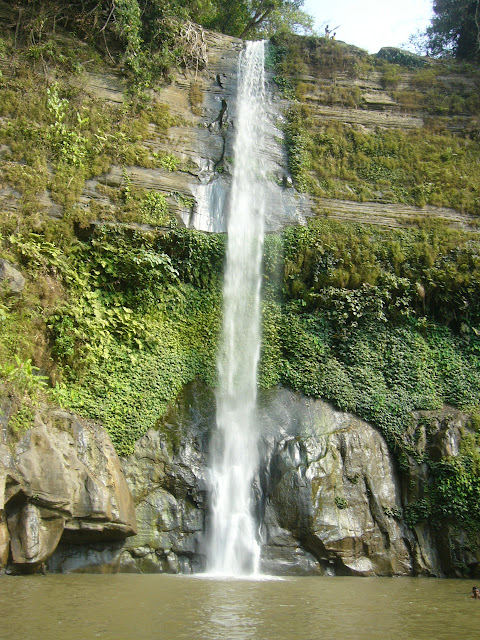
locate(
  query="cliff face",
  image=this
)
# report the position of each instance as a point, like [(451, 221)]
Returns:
[(330, 496), (329, 492), (199, 142)]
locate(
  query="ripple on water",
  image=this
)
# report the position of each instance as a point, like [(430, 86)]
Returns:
[(163, 607)]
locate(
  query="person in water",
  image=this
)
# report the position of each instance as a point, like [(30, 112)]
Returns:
[(475, 593)]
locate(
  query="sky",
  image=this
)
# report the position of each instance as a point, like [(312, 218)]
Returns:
[(371, 24)]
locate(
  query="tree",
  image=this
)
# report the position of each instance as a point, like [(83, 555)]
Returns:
[(455, 28), (150, 37), (285, 16), (259, 18)]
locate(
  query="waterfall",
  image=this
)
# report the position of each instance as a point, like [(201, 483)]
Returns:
[(234, 548)]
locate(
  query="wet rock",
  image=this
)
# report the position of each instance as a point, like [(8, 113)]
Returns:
[(331, 482), (86, 558), (328, 492), (35, 532), (445, 551), (166, 475)]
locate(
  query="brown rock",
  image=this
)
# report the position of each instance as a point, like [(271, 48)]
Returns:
[(62, 482)]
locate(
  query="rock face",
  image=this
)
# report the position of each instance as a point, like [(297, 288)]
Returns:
[(328, 494), (202, 104), (330, 488), (60, 482), (167, 478)]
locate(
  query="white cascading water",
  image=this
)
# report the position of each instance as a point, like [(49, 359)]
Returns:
[(234, 546)]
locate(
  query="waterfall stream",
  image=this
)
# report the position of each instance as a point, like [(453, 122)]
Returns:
[(234, 547)]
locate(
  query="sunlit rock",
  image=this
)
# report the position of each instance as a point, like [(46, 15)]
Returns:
[(61, 481)]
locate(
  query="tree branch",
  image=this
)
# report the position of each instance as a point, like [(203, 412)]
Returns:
[(259, 17)]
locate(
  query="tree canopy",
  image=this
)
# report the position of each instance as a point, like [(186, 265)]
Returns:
[(241, 18), (455, 28), (263, 18), (152, 36)]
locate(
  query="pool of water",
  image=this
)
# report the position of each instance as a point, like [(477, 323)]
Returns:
[(164, 607)]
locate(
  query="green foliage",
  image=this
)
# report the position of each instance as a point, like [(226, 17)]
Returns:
[(390, 76), (168, 161), (396, 56), (296, 139), (393, 512), (353, 328), (259, 18), (294, 55), (452, 94), (128, 393), (343, 161), (21, 419), (154, 208), (434, 165), (57, 138), (454, 493), (67, 144), (147, 38), (26, 388), (24, 377), (391, 274), (455, 28), (341, 503), (417, 511), (138, 326)]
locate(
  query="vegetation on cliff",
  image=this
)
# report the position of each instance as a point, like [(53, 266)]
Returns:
[(437, 164), (380, 322), (364, 320), (148, 38)]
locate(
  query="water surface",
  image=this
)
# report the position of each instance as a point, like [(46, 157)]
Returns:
[(164, 607)]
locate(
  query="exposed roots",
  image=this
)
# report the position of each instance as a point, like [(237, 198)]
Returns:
[(191, 40)]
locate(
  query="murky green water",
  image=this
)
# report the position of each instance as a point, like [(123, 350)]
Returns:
[(161, 607)]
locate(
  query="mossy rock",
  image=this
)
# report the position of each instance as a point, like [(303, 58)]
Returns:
[(401, 57)]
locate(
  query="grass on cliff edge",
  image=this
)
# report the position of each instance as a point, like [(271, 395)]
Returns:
[(437, 164)]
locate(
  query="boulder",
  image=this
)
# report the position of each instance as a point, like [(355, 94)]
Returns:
[(11, 278), (332, 483), (60, 481)]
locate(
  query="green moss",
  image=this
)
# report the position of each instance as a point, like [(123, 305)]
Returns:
[(195, 95), (414, 167), (57, 137), (21, 419), (437, 164)]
